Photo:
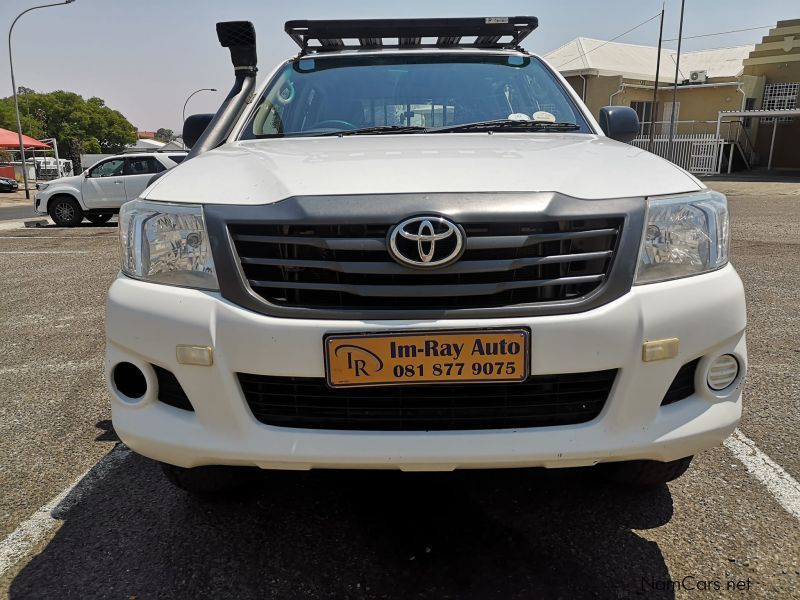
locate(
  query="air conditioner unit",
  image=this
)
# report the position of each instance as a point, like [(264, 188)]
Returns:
[(698, 76)]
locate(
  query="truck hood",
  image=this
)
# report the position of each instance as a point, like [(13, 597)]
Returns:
[(71, 181), (265, 171)]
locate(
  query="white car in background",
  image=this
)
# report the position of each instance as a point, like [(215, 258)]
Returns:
[(98, 192)]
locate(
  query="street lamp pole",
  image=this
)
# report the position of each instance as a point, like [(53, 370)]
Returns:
[(190, 97), (14, 89)]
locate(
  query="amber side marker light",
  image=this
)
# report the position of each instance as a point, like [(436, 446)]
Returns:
[(660, 349), (202, 356)]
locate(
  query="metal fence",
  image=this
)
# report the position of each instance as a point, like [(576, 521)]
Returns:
[(697, 153), (729, 130), (699, 146)]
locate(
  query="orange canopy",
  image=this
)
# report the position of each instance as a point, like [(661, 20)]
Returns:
[(10, 139)]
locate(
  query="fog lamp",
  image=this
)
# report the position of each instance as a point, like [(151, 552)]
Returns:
[(723, 372)]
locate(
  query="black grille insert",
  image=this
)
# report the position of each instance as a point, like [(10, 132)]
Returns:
[(683, 384), (541, 400), (170, 390), (349, 266)]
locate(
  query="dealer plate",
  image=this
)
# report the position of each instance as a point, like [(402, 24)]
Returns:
[(416, 357)]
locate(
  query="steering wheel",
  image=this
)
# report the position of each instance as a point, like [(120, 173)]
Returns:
[(338, 123)]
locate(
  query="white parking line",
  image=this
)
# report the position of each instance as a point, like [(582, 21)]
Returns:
[(19, 225), (68, 365), (782, 486), (44, 251), (35, 528), (15, 321)]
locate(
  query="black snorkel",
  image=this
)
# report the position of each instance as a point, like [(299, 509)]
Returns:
[(204, 132)]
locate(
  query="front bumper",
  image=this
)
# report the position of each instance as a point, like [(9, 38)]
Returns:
[(145, 322), (39, 203)]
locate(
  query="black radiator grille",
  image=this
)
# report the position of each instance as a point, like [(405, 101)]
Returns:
[(541, 400), (349, 266)]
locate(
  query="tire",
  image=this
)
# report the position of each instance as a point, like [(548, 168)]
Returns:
[(209, 481), (96, 219), (65, 211), (645, 473)]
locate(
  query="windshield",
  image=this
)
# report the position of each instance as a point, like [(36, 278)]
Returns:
[(315, 96)]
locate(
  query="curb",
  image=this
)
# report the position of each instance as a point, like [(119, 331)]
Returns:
[(22, 223)]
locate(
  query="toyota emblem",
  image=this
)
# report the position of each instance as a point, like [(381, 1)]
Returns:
[(427, 241)]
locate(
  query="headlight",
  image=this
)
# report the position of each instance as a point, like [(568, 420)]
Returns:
[(41, 186), (684, 235), (166, 243)]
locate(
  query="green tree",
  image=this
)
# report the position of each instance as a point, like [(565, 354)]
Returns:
[(165, 135), (91, 145), (79, 125)]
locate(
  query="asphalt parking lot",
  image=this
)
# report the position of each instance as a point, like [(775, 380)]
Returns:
[(124, 532)]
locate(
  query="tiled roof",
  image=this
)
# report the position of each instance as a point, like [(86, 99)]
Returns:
[(639, 62)]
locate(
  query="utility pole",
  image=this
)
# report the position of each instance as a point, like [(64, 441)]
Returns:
[(14, 89), (654, 107), (675, 84)]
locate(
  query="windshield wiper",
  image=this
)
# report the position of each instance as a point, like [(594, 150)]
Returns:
[(499, 124), (376, 130)]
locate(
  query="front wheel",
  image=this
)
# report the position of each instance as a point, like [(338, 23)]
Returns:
[(99, 219), (210, 480), (65, 211), (645, 473)]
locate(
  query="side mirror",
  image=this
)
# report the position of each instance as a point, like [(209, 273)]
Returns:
[(194, 126), (620, 123)]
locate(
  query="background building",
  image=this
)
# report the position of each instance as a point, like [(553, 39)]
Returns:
[(762, 76), (775, 64)]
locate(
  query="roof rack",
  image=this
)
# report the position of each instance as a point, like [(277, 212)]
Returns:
[(410, 34)]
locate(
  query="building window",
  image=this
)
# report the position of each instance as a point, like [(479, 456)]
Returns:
[(780, 96), (645, 111)]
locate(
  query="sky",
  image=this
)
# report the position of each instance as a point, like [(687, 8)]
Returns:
[(144, 57)]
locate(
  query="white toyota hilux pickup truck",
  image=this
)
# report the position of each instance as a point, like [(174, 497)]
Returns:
[(428, 256)]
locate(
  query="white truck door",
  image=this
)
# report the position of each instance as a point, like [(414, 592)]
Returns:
[(104, 185), (139, 170)]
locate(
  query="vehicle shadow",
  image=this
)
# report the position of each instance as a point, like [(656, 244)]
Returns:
[(108, 434), (353, 534)]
